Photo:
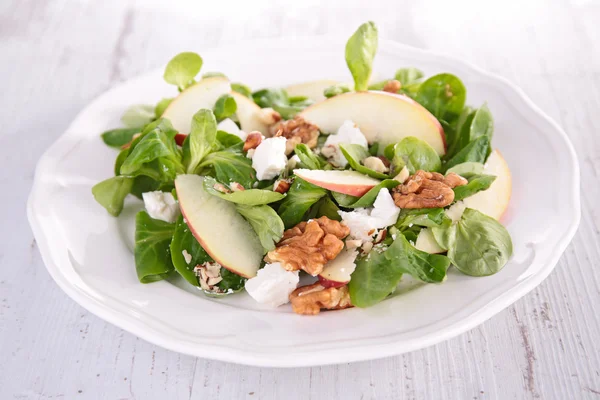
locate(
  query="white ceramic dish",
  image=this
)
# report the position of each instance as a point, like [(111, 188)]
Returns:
[(89, 253)]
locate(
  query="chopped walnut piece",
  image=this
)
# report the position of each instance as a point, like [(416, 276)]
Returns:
[(282, 185), (309, 245), (209, 274), (427, 190), (309, 300), (296, 131), (392, 86), (253, 140)]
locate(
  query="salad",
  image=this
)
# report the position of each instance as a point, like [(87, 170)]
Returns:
[(353, 187)]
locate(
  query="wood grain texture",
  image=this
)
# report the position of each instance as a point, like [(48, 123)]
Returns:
[(56, 56)]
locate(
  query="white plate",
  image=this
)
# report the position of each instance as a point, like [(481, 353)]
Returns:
[(89, 253)]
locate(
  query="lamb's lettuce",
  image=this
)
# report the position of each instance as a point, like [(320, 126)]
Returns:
[(155, 155), (355, 153), (408, 76), (478, 245), (201, 139), (428, 217), (265, 222), (467, 169), (443, 95), (279, 100), (334, 90), (241, 89), (182, 69), (152, 254), (184, 240), (415, 154), (111, 193), (360, 52), (229, 165), (325, 207), (227, 141), (249, 197), (138, 115), (161, 106), (475, 151), (308, 158), (225, 107), (477, 183), (301, 196), (378, 273), (118, 137)]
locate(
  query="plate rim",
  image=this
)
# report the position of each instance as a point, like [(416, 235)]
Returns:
[(369, 351)]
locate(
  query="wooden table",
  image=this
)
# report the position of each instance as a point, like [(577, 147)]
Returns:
[(56, 56)]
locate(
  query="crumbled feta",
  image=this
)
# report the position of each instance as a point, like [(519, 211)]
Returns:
[(348, 133), (384, 209), (186, 256), (376, 164), (402, 175), (269, 158), (272, 285), (161, 205), (229, 126), (364, 222)]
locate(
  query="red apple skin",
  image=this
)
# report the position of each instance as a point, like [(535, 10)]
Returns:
[(352, 190), (206, 248), (180, 138), (330, 284)]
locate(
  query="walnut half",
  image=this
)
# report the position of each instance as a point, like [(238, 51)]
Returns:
[(309, 245), (427, 190), (309, 300), (296, 131)]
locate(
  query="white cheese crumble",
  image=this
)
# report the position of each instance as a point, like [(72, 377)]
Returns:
[(186, 256), (229, 126), (269, 158), (161, 205), (348, 133), (364, 222), (272, 285)]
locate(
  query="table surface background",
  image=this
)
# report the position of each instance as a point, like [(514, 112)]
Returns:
[(56, 56)]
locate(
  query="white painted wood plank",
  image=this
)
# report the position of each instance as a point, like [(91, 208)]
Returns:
[(58, 55)]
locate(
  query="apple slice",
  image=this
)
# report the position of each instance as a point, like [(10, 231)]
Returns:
[(250, 115), (493, 201), (312, 89), (382, 117), (225, 235), (347, 182), (427, 243), (337, 271), (203, 94)]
